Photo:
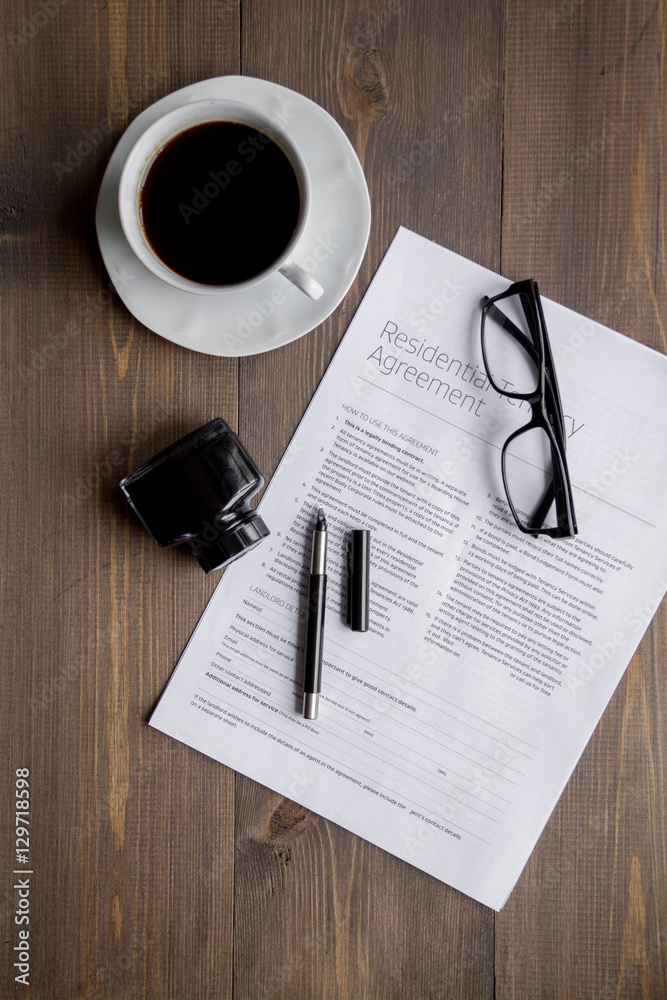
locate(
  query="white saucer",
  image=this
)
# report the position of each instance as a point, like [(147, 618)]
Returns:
[(273, 312)]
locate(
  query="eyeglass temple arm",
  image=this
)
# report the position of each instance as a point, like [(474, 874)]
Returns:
[(514, 331), (555, 489), (539, 517)]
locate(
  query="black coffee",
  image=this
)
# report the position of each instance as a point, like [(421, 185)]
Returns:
[(220, 203)]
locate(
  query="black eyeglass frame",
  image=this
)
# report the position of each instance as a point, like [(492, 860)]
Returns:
[(545, 403)]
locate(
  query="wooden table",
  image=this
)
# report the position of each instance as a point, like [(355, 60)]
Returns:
[(529, 137)]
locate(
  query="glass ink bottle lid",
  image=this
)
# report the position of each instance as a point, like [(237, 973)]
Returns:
[(197, 491)]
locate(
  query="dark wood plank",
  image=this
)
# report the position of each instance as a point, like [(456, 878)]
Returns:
[(319, 913), (582, 213), (132, 833)]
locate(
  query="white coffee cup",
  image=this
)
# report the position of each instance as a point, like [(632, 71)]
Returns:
[(155, 138)]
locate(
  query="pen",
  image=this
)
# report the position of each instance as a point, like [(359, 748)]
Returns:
[(317, 592)]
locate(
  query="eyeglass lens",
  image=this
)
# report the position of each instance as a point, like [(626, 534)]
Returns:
[(510, 346), (529, 478)]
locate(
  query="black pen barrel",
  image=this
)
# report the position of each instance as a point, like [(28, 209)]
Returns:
[(314, 646), (312, 666), (318, 557)]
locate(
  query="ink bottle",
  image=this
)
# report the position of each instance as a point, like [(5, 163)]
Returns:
[(197, 491)]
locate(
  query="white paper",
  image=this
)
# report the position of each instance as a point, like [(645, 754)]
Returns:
[(447, 732)]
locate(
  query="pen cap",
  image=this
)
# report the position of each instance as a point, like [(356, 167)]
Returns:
[(358, 579)]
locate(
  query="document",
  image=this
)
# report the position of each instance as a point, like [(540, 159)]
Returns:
[(447, 732)]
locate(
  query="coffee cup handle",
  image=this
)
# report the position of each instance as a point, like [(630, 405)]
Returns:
[(296, 274)]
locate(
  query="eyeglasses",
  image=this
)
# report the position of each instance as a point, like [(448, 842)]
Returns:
[(519, 365)]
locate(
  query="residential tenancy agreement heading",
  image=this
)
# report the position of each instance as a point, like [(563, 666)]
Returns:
[(448, 731)]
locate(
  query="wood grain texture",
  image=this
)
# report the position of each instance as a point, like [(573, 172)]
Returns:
[(583, 214), (132, 845), (527, 137), (320, 913)]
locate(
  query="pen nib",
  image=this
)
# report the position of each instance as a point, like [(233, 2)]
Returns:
[(321, 521)]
